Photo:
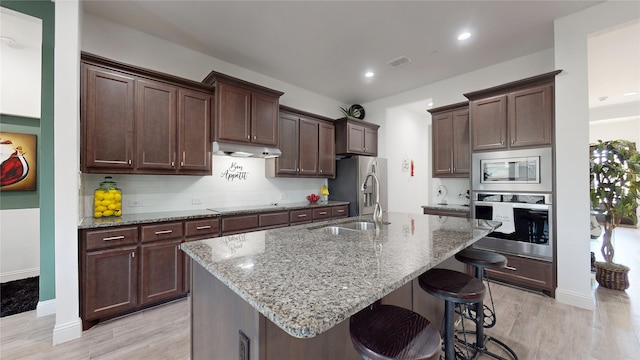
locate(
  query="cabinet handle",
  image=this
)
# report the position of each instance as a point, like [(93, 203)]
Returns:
[(320, 170), (511, 268), (323, 213), (129, 161), (133, 254), (513, 141), (203, 227), (162, 232), (302, 215), (183, 158), (341, 211), (254, 137), (501, 142), (113, 238), (248, 137)]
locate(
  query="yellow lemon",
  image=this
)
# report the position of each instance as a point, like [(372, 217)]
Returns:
[(101, 208), (107, 213), (112, 206), (109, 196), (117, 196), (117, 212), (106, 202), (97, 203), (118, 206), (98, 196), (113, 191), (97, 214)]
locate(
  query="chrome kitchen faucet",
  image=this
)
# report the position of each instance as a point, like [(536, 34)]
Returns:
[(377, 209)]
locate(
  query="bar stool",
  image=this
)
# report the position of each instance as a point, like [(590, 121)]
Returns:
[(453, 287), (482, 259), (392, 332)]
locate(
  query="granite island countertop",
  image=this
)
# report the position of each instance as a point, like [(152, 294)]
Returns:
[(307, 281), (448, 207)]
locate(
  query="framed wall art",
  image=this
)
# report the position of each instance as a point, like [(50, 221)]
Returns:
[(18, 161)]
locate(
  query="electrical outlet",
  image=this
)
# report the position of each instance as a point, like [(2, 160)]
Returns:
[(135, 203), (243, 351), (196, 201)]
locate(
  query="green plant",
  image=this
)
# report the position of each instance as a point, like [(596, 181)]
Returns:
[(351, 111), (615, 186)]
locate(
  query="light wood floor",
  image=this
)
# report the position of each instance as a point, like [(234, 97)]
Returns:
[(535, 326)]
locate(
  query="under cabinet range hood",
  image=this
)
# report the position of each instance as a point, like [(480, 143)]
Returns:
[(241, 150)]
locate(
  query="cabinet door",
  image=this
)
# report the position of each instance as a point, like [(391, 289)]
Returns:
[(161, 271), (355, 135), (489, 123), (326, 150), (108, 100), (442, 131), (531, 116), (308, 147), (194, 120), (156, 125), (264, 119), (370, 141), (233, 113), (287, 163), (461, 149), (110, 282)]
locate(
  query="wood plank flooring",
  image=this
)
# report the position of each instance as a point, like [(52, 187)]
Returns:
[(535, 326)]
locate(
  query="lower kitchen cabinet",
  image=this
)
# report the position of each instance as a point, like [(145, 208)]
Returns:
[(161, 271), (110, 282), (529, 273), (340, 211)]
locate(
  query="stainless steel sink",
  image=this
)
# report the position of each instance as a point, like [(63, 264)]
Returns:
[(359, 225), (336, 230)]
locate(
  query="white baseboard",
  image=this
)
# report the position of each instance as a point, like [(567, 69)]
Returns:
[(580, 300), (47, 307), (67, 332), (19, 274)]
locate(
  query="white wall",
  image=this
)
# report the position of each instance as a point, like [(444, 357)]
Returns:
[(628, 129), (572, 139), (20, 71)]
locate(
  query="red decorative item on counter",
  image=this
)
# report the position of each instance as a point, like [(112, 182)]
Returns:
[(313, 198)]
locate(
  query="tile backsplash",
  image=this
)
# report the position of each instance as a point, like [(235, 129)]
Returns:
[(234, 182)]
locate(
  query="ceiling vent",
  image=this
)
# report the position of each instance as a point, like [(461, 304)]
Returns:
[(399, 61)]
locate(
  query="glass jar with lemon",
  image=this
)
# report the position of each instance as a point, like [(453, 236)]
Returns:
[(107, 199)]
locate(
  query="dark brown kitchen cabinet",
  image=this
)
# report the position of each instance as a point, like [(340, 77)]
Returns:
[(139, 121), (356, 137), (239, 223), (307, 143), (450, 141), (340, 211), (197, 230), (525, 272), (321, 214), (108, 119), (161, 271), (297, 217), (514, 115), (244, 112)]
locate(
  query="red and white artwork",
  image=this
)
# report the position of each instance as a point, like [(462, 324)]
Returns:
[(18, 161)]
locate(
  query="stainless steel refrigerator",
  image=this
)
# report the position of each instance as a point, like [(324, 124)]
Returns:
[(350, 173)]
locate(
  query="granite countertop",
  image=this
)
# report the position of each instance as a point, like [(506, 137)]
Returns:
[(145, 218), (448, 207), (307, 281)]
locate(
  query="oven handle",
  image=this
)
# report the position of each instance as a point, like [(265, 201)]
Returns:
[(516, 205)]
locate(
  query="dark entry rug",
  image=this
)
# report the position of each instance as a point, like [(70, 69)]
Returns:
[(19, 296)]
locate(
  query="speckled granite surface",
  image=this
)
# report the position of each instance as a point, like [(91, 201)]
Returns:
[(307, 281), (448, 207), (145, 218)]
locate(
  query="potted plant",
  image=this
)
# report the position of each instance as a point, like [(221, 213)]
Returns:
[(615, 190)]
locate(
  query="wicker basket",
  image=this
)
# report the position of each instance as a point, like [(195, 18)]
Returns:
[(612, 276)]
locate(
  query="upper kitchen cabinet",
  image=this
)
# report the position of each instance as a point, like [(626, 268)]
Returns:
[(138, 121), (519, 114), (356, 137), (450, 140), (307, 142), (245, 113)]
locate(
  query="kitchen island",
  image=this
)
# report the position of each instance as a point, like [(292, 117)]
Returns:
[(292, 290)]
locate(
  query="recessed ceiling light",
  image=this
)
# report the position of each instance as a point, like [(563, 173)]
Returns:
[(630, 93), (369, 74), (464, 36)]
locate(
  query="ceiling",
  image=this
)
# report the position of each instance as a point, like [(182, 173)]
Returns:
[(327, 46)]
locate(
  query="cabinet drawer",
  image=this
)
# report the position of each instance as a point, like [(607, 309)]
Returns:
[(202, 229), (323, 213), (300, 216), (527, 272), (340, 211), (163, 231), (101, 239), (274, 219), (237, 223)]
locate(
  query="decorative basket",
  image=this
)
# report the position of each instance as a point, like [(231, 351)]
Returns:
[(612, 276)]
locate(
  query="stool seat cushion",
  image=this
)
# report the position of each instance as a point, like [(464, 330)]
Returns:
[(452, 286), (392, 332), (481, 258)]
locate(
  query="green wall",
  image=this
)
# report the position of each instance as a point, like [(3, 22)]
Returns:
[(21, 199), (45, 10)]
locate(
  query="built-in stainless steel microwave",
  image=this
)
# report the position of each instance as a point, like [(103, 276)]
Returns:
[(513, 170)]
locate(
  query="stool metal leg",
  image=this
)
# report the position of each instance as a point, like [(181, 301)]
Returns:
[(449, 351)]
